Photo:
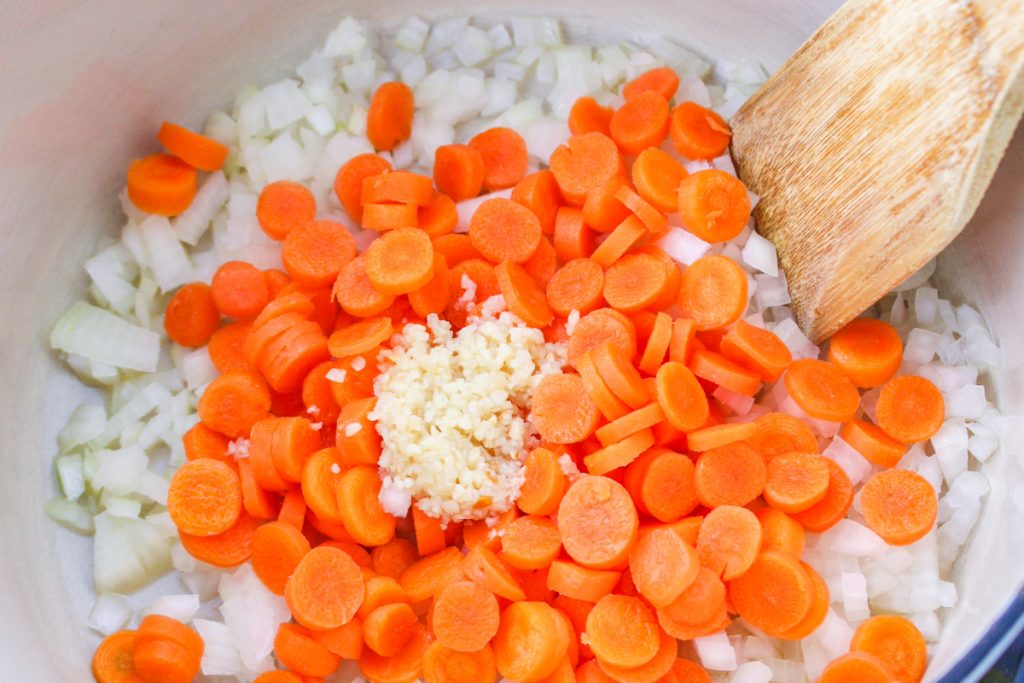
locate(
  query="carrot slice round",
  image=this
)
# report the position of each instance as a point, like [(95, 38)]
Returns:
[(899, 505), (597, 546), (325, 590)]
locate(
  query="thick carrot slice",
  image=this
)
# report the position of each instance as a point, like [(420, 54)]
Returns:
[(713, 292), (196, 150), (774, 594), (598, 327), (438, 217), (404, 667), (713, 205), (525, 298), (686, 671), (657, 345), (576, 611), (360, 337), (899, 505), (287, 359), (607, 402), (681, 397), (161, 184), (587, 116), (202, 442), (434, 296), (505, 157), (277, 549), (465, 616), (602, 210), (623, 632), (718, 435), (756, 349), (856, 667), (819, 608), (388, 628), (483, 566), (628, 425), (653, 219), (822, 390), (683, 342), (325, 590), (381, 590), (662, 566), (348, 184), (294, 440), (597, 546), (389, 118), (871, 442), (455, 248), (635, 282), (869, 351), (897, 642), (576, 286), (445, 665), (661, 484), (562, 411), (729, 540), (531, 641), (346, 641), (284, 206), (384, 217), (393, 558), (114, 660), (225, 347), (426, 576), (581, 583), (627, 233), (314, 253), (833, 507), (657, 175), (286, 302), (159, 627), (400, 261), (701, 602), (402, 187), (698, 132), (504, 230), (641, 122), (239, 290), (530, 542), (458, 171), (796, 481), (429, 534), (356, 294), (619, 454), (661, 79), (583, 163), (261, 455), (733, 474), (540, 194), (655, 669), (296, 648), (191, 317), (590, 672), (620, 376), (360, 509), (205, 497), (544, 483), (780, 532), (320, 476), (778, 433), (165, 660), (910, 409), (543, 264), (229, 549), (572, 238)]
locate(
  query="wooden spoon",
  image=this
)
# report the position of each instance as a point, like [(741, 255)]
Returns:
[(873, 144)]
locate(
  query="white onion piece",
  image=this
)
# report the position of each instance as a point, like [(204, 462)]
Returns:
[(180, 607), (716, 652), (110, 612), (100, 336)]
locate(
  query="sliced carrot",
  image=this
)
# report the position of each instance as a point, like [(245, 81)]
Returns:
[(683, 342), (598, 327), (587, 116), (544, 483), (618, 242), (261, 456), (505, 157), (713, 292), (404, 667), (628, 425), (778, 433), (325, 590), (402, 187), (591, 672), (161, 184), (681, 397), (641, 122), (719, 435), (228, 549), (348, 184), (484, 567), (698, 133), (356, 294), (280, 676), (540, 194), (602, 210), (388, 628), (653, 219), (774, 594), (525, 298), (607, 402), (455, 248), (871, 442), (357, 438), (239, 290), (896, 641), (294, 440), (576, 286), (657, 345), (654, 669), (713, 205), (620, 376), (202, 442), (352, 549), (623, 632), (165, 660), (756, 349), (458, 171), (686, 671), (833, 507), (634, 282), (488, 531), (661, 79), (160, 627), (780, 532), (733, 474), (856, 667), (899, 505), (318, 395), (544, 262), (314, 253), (429, 534), (205, 497), (438, 217), (562, 411), (277, 549), (445, 665), (113, 661), (360, 337), (661, 484), (295, 647), (346, 641), (504, 230), (822, 390), (583, 163), (293, 509), (869, 351), (287, 359), (434, 296), (815, 616), (729, 540), (393, 558), (389, 118), (191, 317), (530, 542), (597, 546), (910, 409), (196, 150), (465, 616), (796, 481), (225, 347), (531, 641), (662, 566), (284, 206), (320, 476), (360, 509), (294, 302), (657, 176), (619, 454), (701, 602), (572, 238), (384, 217), (400, 261), (427, 575)]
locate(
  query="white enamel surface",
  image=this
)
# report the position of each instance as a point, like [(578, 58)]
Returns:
[(84, 86)]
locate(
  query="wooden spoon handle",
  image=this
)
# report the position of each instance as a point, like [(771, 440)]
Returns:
[(873, 144)]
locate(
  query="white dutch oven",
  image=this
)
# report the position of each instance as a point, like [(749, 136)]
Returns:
[(83, 86)]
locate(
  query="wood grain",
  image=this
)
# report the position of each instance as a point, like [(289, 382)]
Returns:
[(873, 144)]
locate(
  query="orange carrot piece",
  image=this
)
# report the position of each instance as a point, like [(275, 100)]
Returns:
[(713, 205), (899, 505), (531, 642), (562, 411), (293, 509), (719, 435), (896, 641), (281, 676), (833, 507), (621, 377), (909, 409), (205, 497), (505, 157), (815, 616), (438, 217), (459, 171), (402, 187), (348, 184), (572, 238), (657, 176), (635, 282), (225, 347), (346, 641), (598, 327), (602, 210), (683, 342), (587, 116), (294, 440), (544, 483), (325, 590), (622, 631), (778, 433), (314, 253), (796, 481), (389, 627), (653, 219), (360, 509), (356, 294), (540, 194), (284, 206), (869, 351), (822, 390), (581, 583), (404, 667), (384, 217), (701, 602), (607, 403), (618, 242), (641, 122), (662, 566), (525, 298), (228, 549), (654, 669), (483, 566), (530, 542), (164, 660), (733, 474), (713, 292), (590, 672), (620, 453), (465, 616), (757, 349), (661, 484), (161, 184), (429, 534), (729, 540), (628, 425), (389, 118), (576, 286), (196, 150), (159, 627), (295, 648), (277, 549), (191, 317), (661, 79), (202, 442), (774, 594), (287, 359), (393, 558), (428, 575), (597, 546), (360, 337), (445, 665), (400, 261), (434, 296), (657, 345), (871, 442), (780, 532), (698, 133), (856, 667), (239, 290), (583, 163), (504, 230), (681, 397), (320, 477)]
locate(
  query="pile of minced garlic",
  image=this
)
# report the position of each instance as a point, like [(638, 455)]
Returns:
[(452, 413)]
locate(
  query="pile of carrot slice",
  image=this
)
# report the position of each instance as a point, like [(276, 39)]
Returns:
[(646, 517)]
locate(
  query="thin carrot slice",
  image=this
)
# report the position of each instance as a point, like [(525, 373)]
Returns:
[(833, 507), (402, 187), (628, 425), (400, 261), (621, 377), (683, 342), (294, 440), (869, 351), (388, 628), (113, 661), (822, 390), (530, 542), (544, 483), (504, 230), (598, 327), (796, 481), (701, 602), (774, 594), (196, 150), (505, 157), (525, 298), (356, 294), (583, 163), (439, 217), (899, 505), (587, 116), (661, 79), (607, 402), (681, 397), (653, 219), (896, 641), (756, 349), (277, 549), (404, 667), (576, 286), (635, 282), (284, 206), (562, 411), (910, 409), (360, 509), (597, 546), (445, 665), (641, 122), (458, 171), (657, 175), (590, 672), (229, 549), (256, 501), (202, 442), (286, 302), (619, 241), (623, 632), (346, 641), (465, 616), (360, 337), (287, 359), (165, 660), (540, 194), (191, 317), (572, 238), (239, 290), (384, 217), (161, 184), (815, 616), (655, 669), (718, 435), (780, 532), (381, 590), (261, 455), (699, 133), (225, 347), (856, 667), (320, 476), (455, 248), (483, 566), (713, 205), (661, 484), (348, 184), (325, 590), (205, 497), (778, 433), (389, 118), (729, 540), (733, 474), (426, 576), (434, 296), (619, 454), (662, 566), (160, 627), (544, 262), (314, 253), (296, 648), (871, 442), (531, 641), (602, 210), (713, 292), (429, 534), (657, 345)]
